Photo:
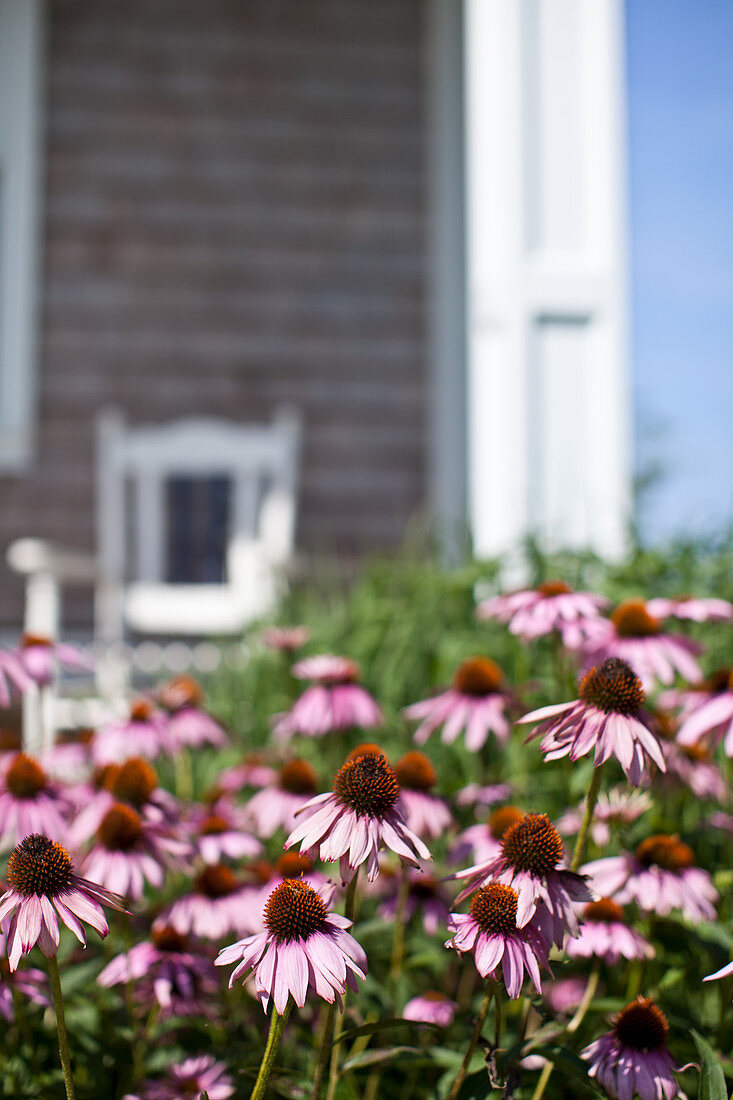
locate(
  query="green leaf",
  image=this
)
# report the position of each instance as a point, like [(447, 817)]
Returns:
[(378, 1025), (712, 1081), (570, 1065), (376, 1057)]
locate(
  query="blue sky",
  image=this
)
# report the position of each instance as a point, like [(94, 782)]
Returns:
[(680, 101)]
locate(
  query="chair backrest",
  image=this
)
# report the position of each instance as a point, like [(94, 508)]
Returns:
[(253, 468)]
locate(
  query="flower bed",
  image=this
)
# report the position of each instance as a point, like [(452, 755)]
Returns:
[(438, 841)]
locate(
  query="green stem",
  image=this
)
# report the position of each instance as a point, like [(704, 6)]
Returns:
[(481, 1020), (542, 1083), (590, 805), (398, 941), (588, 995), (58, 1004), (497, 1016), (277, 1027), (332, 1026)]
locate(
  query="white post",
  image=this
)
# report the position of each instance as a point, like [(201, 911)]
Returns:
[(548, 449), (42, 603)]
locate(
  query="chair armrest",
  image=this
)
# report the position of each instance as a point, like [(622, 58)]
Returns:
[(32, 556)]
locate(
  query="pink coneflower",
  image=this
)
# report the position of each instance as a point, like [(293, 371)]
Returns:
[(692, 766), (40, 658), (477, 702), (335, 699), (724, 972), (605, 934), (425, 897), (290, 865), (144, 733), (531, 862), (168, 970), (482, 842), (135, 783), (217, 905), (617, 807), (563, 996), (42, 888), (425, 813), (357, 818), (13, 676), (192, 1078), (552, 606), (660, 876), (286, 639), (253, 771), (690, 698), (481, 796), (219, 833), (431, 1007), (189, 724), (491, 932), (633, 1057), (712, 720), (304, 949), (275, 807), (696, 609), (28, 982), (129, 851), (30, 803), (608, 718), (636, 636), (70, 759)]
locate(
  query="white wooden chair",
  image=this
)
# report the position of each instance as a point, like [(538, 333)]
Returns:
[(257, 466), (258, 463)]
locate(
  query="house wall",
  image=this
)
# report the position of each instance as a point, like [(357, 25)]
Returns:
[(234, 216)]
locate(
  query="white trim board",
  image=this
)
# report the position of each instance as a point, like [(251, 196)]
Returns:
[(21, 35)]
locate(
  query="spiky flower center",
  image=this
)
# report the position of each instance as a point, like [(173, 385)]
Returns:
[(29, 640), (494, 908), (104, 778), (720, 680), (216, 881), (135, 782), (167, 939), (367, 785), (434, 995), (553, 588), (424, 887), (415, 772), (120, 828), (366, 748), (214, 825), (141, 710), (294, 911), (641, 1025), (40, 867), (298, 777), (25, 778), (478, 676), (533, 845), (502, 819), (632, 620), (612, 687), (180, 692), (604, 911), (698, 753), (667, 852), (293, 865)]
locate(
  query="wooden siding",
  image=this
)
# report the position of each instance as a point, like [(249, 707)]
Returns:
[(234, 216)]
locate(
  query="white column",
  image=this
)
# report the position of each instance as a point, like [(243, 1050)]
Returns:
[(548, 391)]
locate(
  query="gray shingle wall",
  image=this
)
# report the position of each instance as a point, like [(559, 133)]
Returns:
[(234, 216)]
